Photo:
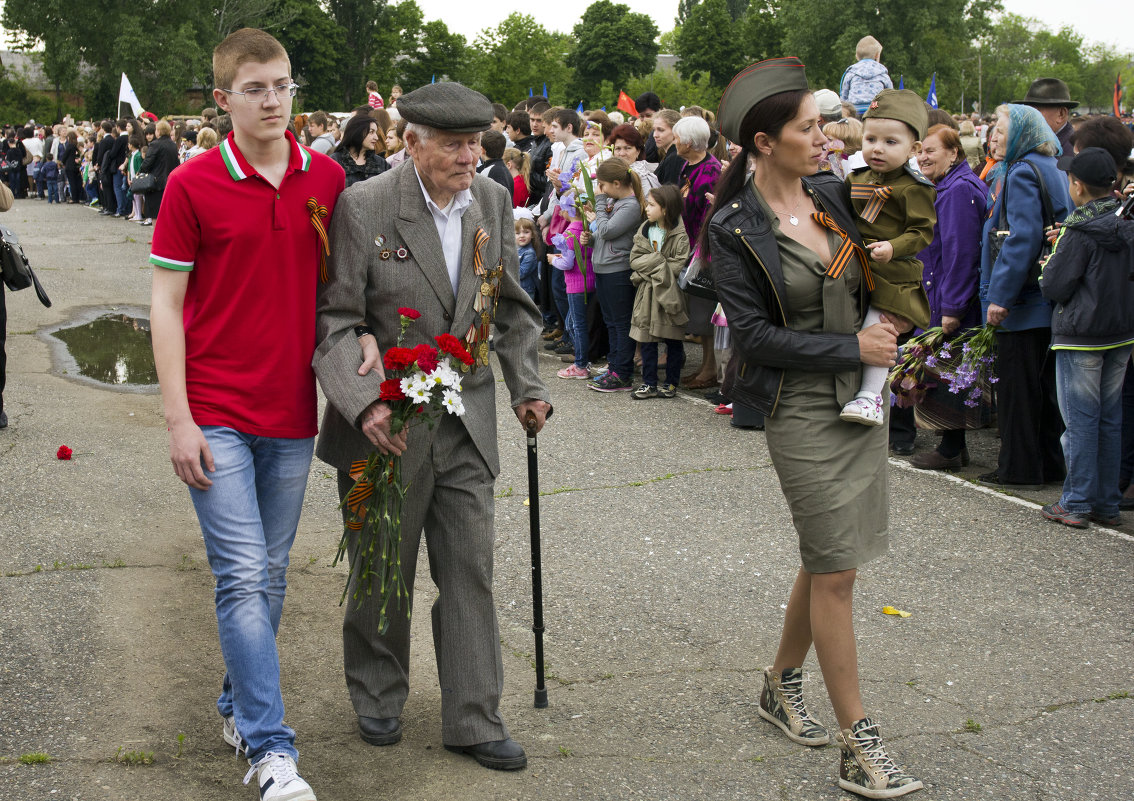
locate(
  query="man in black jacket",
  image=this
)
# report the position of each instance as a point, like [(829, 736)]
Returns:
[(540, 153), (115, 158), (492, 165), (107, 204)]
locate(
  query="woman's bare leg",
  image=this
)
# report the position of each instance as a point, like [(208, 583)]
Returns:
[(795, 641), (832, 628)]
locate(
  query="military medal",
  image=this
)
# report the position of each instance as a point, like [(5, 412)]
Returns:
[(384, 255), (380, 240), (402, 254)]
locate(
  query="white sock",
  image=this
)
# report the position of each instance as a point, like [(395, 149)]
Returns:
[(873, 378)]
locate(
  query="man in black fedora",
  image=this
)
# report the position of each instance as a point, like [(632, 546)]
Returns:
[(1051, 98)]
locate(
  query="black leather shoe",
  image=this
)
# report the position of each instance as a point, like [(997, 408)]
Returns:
[(901, 448), (498, 754), (3, 420), (380, 731)]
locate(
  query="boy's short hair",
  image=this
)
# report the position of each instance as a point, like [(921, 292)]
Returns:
[(867, 47), (648, 101), (493, 144), (318, 118), (208, 113), (371, 86), (499, 111), (568, 117), (520, 121), (538, 108), (247, 45), (122, 123)]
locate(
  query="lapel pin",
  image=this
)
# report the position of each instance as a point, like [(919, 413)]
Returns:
[(380, 240), (402, 254)]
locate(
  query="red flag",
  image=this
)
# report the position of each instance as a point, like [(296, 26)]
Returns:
[(626, 104), (1117, 94)]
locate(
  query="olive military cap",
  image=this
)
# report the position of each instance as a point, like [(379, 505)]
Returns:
[(755, 83), (902, 105)]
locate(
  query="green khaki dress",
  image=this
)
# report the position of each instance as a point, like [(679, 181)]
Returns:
[(833, 473)]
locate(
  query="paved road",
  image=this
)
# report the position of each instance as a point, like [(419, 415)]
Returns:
[(668, 553)]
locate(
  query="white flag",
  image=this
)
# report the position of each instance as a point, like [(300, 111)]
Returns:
[(126, 95)]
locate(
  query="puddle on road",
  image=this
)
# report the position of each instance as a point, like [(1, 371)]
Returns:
[(112, 349)]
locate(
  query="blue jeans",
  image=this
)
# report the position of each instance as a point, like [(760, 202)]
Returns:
[(616, 297), (52, 192), (119, 183), (249, 517), (674, 361), (1089, 384), (577, 326)]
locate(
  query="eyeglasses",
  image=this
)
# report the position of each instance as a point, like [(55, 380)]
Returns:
[(259, 94)]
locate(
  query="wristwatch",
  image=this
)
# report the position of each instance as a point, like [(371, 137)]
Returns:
[(362, 330)]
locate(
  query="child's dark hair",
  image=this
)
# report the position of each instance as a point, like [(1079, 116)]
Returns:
[(493, 144), (616, 171), (568, 117), (537, 240), (668, 198), (769, 116)]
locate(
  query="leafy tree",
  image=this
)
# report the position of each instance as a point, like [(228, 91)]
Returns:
[(707, 43), (763, 31), (440, 54), (676, 91), (315, 44), (611, 44), (517, 55), (358, 20), (398, 33)]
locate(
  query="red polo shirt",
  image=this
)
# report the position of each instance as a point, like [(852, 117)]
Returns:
[(250, 304)]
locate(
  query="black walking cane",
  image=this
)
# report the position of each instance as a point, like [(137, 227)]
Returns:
[(530, 424)]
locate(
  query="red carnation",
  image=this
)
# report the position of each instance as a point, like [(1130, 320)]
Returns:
[(391, 390), (398, 359), (409, 313), (64, 453), (426, 357), (453, 346)]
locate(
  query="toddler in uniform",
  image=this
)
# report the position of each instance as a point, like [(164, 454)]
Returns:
[(893, 204)]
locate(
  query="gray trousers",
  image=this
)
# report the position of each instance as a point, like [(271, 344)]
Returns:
[(450, 498)]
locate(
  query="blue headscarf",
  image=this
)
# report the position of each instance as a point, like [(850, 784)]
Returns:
[(1027, 130)]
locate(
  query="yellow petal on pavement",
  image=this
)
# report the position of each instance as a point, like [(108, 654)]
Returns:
[(889, 610), (527, 501)]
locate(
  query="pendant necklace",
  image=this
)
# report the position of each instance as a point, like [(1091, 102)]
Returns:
[(791, 214)]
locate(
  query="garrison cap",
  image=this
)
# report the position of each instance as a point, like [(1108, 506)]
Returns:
[(447, 106), (753, 84), (903, 105)]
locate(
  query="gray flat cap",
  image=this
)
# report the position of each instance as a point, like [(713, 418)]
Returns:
[(447, 106)]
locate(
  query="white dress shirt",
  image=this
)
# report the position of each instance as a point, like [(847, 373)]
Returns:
[(448, 222)]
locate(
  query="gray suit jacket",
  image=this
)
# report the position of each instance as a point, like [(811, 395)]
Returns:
[(365, 287)]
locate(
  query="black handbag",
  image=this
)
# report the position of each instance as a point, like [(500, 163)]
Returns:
[(143, 184), (1000, 233), (14, 268), (697, 279)]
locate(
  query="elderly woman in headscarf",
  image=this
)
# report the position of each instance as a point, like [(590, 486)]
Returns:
[(1030, 423)]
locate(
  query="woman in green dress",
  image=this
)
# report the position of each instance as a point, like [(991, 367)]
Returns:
[(794, 281)]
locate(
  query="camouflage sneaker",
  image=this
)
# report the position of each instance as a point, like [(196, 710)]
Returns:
[(781, 703), (864, 767)]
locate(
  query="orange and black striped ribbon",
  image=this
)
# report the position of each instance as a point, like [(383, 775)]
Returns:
[(479, 241), (358, 496), (847, 250), (319, 213), (875, 195)]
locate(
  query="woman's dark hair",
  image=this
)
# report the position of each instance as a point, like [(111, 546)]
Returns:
[(939, 117), (356, 129), (1108, 133), (668, 197), (628, 134), (137, 139), (151, 129), (769, 116)]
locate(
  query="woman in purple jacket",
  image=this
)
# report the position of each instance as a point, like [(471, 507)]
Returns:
[(952, 261)]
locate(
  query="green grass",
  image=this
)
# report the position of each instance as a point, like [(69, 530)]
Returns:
[(124, 757), (35, 758), (972, 726)]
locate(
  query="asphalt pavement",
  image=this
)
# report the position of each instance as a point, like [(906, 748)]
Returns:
[(668, 554)]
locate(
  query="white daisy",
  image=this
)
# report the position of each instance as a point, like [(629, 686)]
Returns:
[(418, 394), (452, 402)]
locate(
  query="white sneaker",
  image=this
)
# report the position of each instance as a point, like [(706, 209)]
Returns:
[(278, 779), (865, 410), (232, 736)]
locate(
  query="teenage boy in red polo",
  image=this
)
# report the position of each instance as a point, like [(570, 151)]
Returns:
[(238, 249)]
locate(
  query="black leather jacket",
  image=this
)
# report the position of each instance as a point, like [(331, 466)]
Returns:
[(750, 285)]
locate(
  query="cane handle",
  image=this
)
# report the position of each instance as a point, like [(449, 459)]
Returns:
[(530, 422)]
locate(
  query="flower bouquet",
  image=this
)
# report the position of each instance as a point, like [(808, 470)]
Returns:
[(421, 384), (932, 362)]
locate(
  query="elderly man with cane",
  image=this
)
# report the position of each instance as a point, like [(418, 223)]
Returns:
[(432, 235)]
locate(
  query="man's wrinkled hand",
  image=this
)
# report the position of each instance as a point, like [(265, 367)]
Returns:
[(538, 408), (375, 424)]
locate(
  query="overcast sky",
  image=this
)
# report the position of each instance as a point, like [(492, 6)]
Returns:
[(1110, 21)]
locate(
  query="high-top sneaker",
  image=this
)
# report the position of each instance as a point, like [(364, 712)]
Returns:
[(864, 766), (781, 703)]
